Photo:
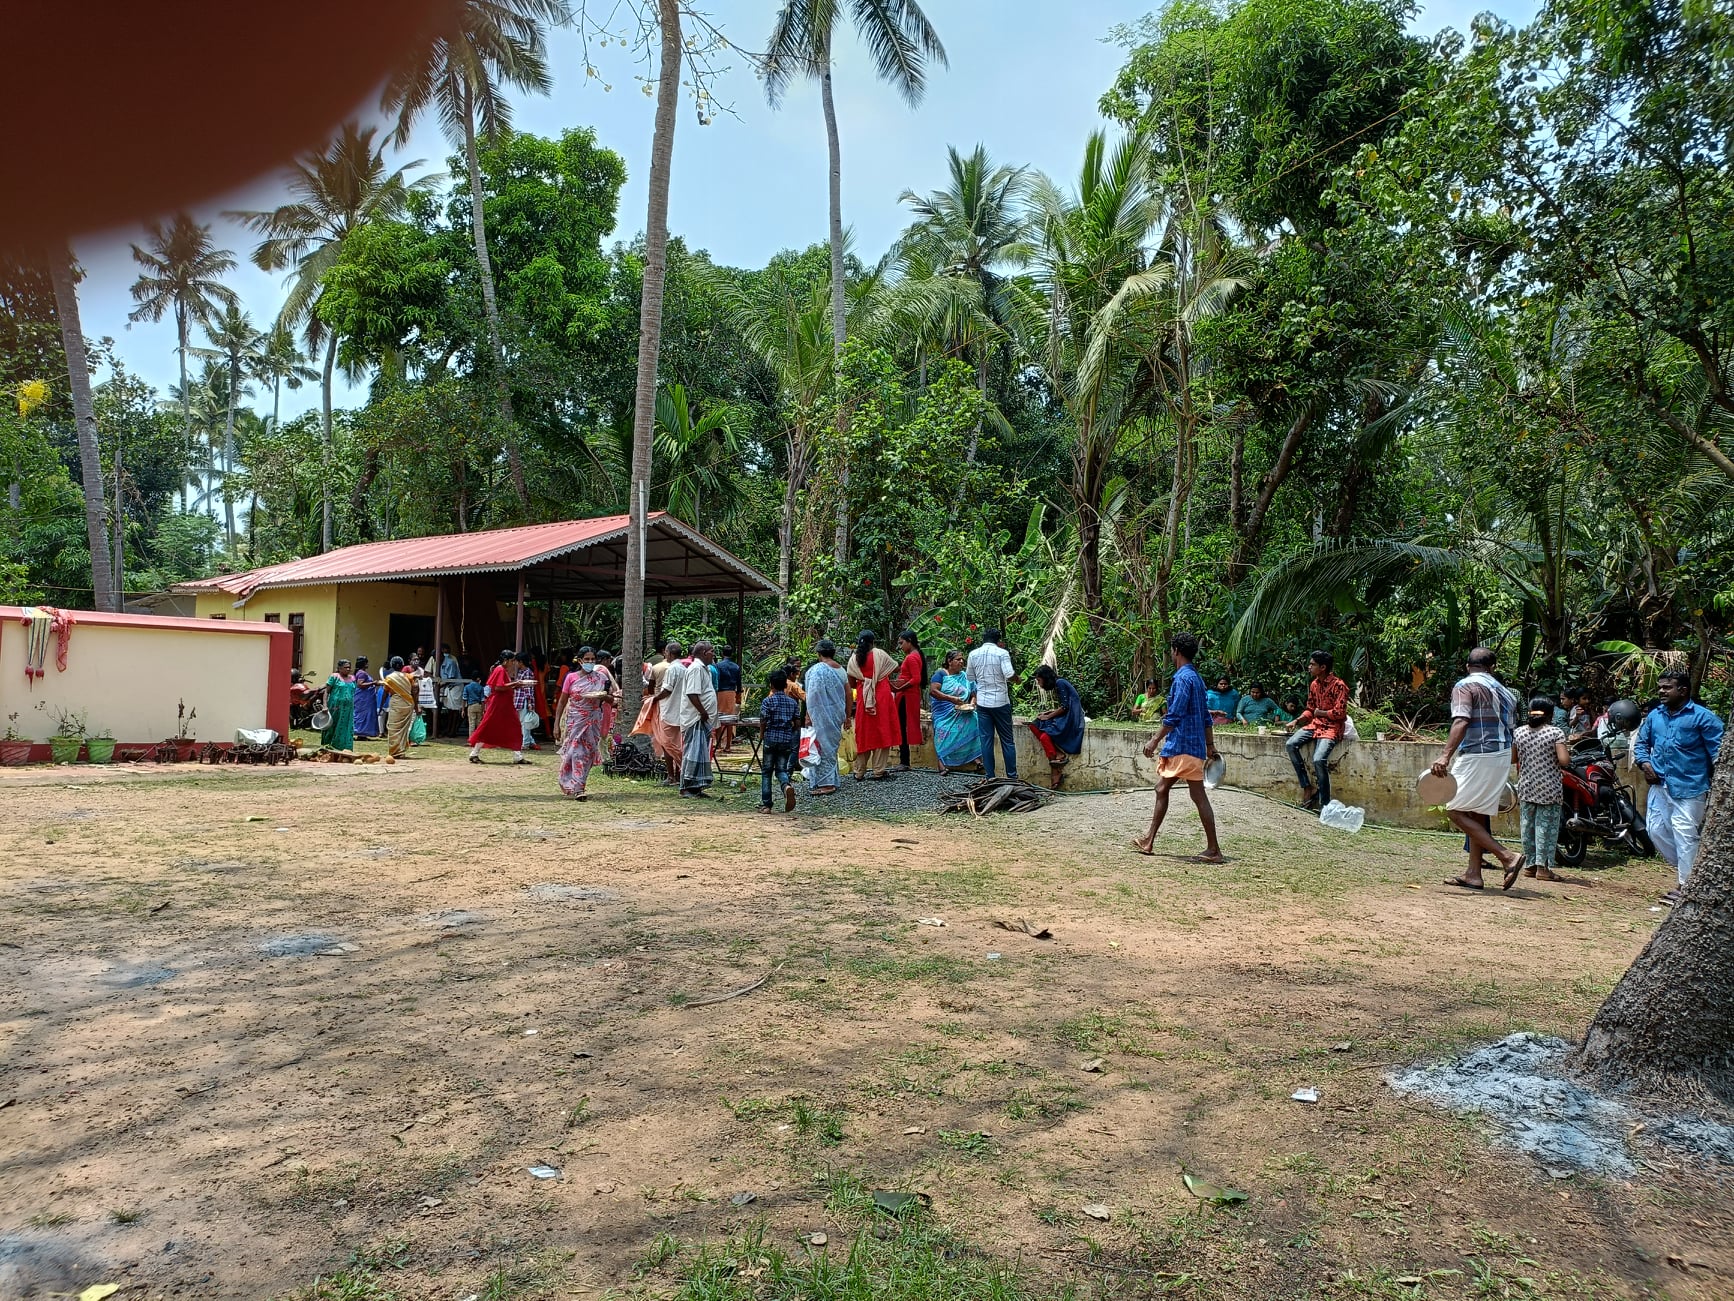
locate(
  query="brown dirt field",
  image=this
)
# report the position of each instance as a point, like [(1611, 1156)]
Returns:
[(192, 1118)]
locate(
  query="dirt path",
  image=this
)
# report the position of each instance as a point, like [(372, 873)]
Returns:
[(237, 1051)]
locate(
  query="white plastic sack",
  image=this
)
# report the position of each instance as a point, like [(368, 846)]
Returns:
[(1342, 817), (255, 736)]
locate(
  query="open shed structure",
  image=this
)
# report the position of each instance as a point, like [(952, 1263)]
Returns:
[(478, 592)]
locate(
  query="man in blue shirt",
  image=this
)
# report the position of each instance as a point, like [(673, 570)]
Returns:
[(1676, 748), (1186, 739)]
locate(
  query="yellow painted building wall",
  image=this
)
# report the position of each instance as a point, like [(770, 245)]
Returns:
[(317, 604), (343, 619), (364, 613)]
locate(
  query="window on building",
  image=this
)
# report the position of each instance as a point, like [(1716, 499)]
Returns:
[(273, 618), (219, 616), (298, 626)]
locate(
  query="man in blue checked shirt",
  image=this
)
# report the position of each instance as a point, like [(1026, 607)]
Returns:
[(780, 723), (1676, 748), (1186, 739)]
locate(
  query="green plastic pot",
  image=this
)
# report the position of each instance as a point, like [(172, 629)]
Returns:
[(100, 749), (65, 748)]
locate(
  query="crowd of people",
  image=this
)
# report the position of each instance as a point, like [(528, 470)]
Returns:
[(868, 704)]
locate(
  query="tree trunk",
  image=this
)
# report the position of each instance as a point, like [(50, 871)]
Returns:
[(186, 401), (839, 310), (1246, 547), (1671, 1017), (981, 362), (229, 452), (84, 420), (118, 552), (325, 451), (786, 541), (1237, 479), (649, 344), (491, 310)]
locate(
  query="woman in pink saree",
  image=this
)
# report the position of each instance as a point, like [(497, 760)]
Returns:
[(584, 698)]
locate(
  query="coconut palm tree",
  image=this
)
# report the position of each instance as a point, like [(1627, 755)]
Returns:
[(460, 72), (65, 280), (700, 456), (239, 346), (280, 363), (655, 278), (977, 229), (335, 191), (182, 273), (789, 327), (1123, 276), (900, 41)]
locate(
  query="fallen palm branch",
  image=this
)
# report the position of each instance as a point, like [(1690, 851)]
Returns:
[(995, 795)]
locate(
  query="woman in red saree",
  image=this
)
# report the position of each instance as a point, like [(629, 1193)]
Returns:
[(500, 728), (876, 727), (908, 683)]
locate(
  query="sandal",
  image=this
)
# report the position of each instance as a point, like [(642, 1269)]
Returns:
[(1461, 884), (1543, 874), (1512, 873)]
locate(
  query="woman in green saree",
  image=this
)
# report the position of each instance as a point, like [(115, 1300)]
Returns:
[(339, 733)]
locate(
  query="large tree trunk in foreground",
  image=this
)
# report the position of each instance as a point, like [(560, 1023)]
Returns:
[(649, 345), (1671, 1017), (84, 421)]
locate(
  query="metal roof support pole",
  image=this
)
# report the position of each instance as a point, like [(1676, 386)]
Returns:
[(741, 623), (438, 658), (554, 642), (660, 637), (523, 592)]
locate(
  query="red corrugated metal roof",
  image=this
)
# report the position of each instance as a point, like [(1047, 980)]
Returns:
[(494, 550)]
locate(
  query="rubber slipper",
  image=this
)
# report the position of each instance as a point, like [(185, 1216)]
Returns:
[(1461, 884), (1148, 853), (1512, 873), (1544, 874)]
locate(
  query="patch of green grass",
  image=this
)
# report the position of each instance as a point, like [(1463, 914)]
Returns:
[(752, 1108), (811, 1119), (126, 1215), (1036, 1103), (49, 1219), (972, 1141), (910, 1259), (360, 1279)]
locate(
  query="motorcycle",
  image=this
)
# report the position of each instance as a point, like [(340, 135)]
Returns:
[(1598, 804)]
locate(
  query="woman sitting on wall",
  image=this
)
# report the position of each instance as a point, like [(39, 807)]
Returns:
[(1061, 729)]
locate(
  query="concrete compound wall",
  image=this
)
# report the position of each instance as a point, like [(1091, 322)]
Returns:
[(126, 675), (1378, 776)]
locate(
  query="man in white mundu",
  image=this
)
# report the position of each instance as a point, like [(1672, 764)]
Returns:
[(1478, 755)]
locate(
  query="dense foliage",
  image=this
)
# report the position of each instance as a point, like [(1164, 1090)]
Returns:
[(1339, 336)]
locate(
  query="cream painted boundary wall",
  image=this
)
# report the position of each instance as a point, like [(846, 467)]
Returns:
[(1378, 776), (126, 678)]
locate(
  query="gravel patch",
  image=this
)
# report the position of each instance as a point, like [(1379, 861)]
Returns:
[(303, 945), (1519, 1084), (551, 892), (916, 791)]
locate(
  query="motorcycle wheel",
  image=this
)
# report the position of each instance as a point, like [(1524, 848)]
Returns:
[(1638, 843), (1573, 845)]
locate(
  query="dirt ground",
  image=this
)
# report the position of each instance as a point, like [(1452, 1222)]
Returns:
[(263, 1027)]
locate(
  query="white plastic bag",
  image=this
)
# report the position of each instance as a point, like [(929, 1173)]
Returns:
[(1342, 817), (256, 735)]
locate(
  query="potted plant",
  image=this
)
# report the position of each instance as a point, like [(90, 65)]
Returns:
[(68, 738), (99, 748), (14, 749), (180, 747)]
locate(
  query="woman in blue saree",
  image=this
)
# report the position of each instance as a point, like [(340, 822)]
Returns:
[(828, 710), (956, 737), (366, 702)]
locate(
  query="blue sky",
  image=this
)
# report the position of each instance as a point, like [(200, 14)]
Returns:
[(1024, 78)]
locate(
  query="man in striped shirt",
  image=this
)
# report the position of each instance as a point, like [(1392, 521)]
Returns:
[(1186, 739), (1320, 726)]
